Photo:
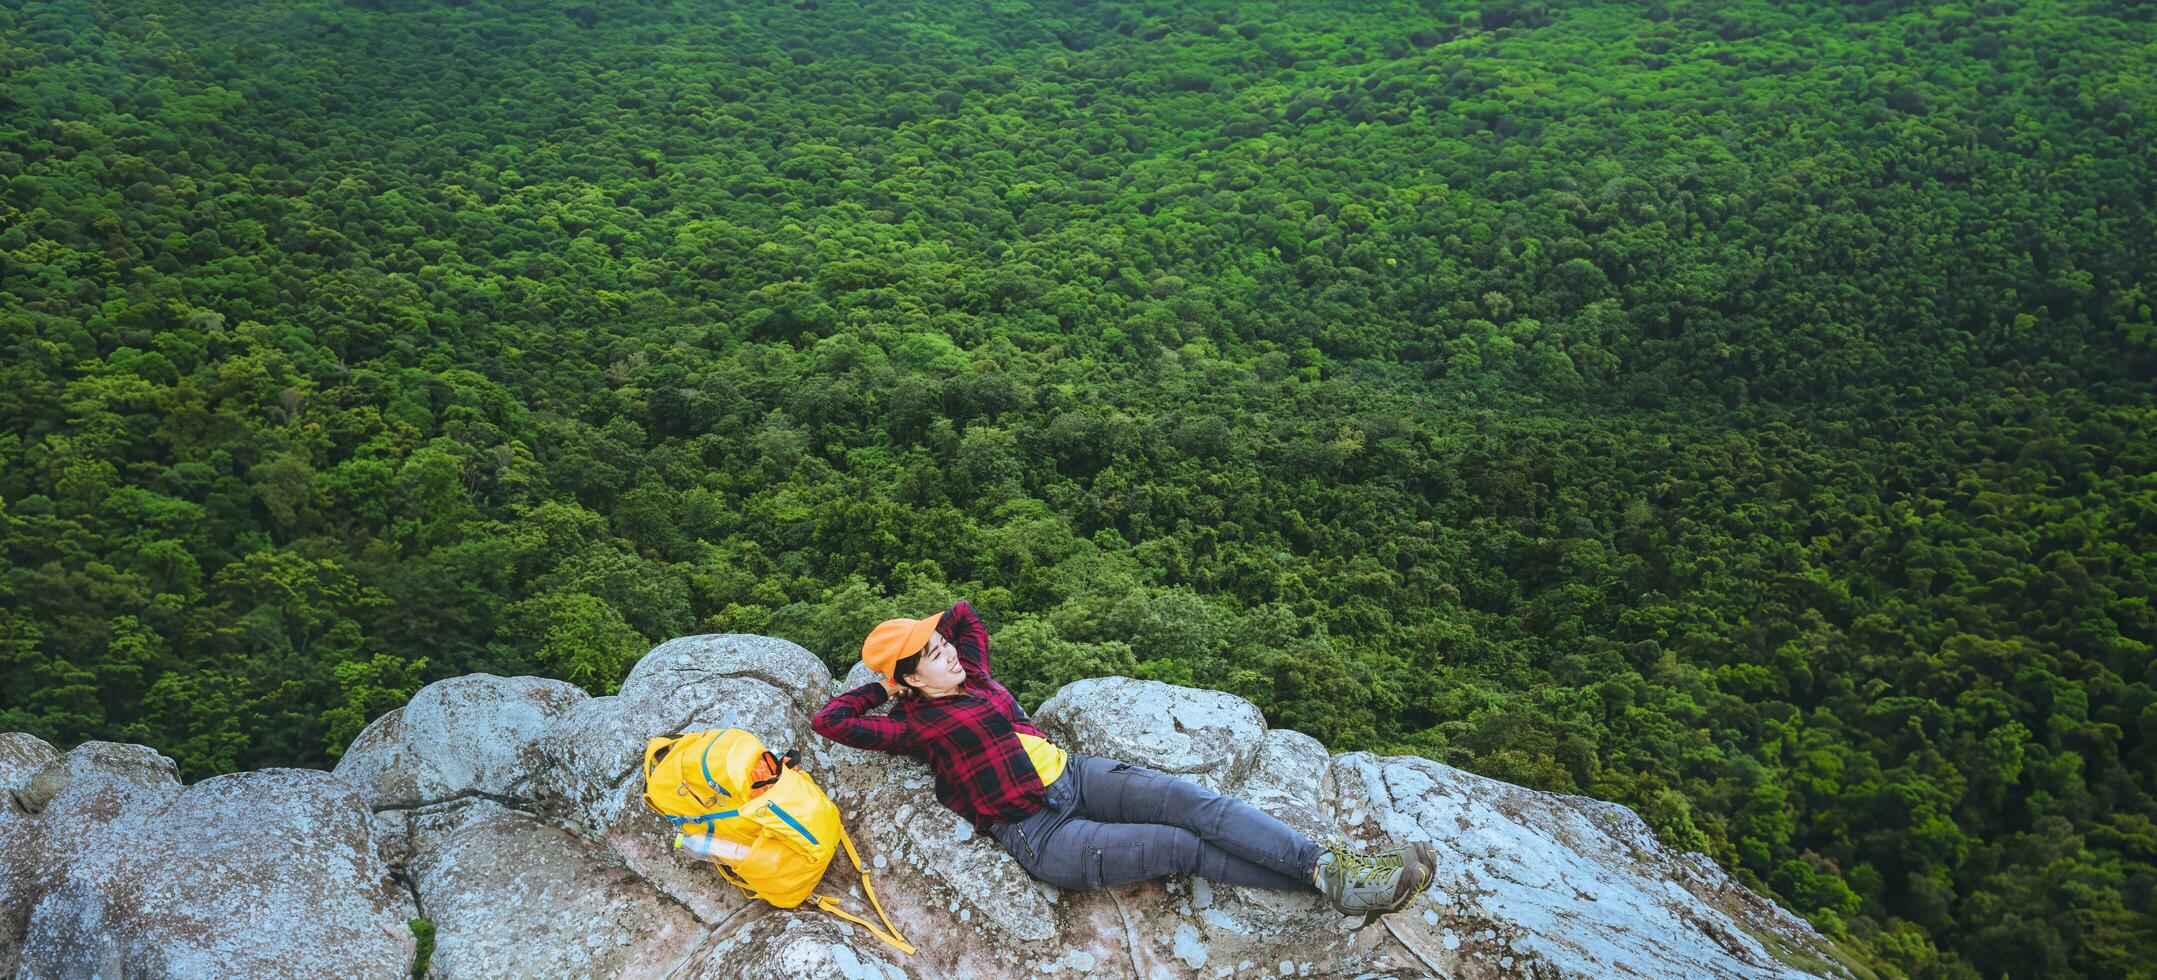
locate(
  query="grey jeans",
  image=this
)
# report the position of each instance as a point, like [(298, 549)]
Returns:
[(1106, 823)]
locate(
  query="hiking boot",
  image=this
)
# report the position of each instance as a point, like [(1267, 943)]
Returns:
[(1371, 885)]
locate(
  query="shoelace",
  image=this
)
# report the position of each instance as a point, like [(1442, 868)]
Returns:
[(1357, 867)]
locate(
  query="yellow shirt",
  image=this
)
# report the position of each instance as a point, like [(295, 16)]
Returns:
[(1047, 758)]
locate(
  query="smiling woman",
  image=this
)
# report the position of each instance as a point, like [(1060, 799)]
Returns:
[(933, 673), (1073, 820)]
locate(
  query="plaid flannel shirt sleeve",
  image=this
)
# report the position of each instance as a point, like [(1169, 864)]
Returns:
[(841, 720), (962, 626)]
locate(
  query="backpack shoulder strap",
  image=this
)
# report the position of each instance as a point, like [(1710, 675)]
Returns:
[(736, 880), (832, 905)]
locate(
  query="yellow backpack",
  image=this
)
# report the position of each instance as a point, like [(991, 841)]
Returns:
[(726, 784)]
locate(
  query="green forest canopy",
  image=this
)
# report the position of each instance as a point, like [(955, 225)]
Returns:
[(1741, 411)]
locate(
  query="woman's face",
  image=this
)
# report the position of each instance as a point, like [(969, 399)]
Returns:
[(939, 670)]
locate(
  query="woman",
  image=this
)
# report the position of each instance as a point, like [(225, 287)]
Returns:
[(1073, 820)]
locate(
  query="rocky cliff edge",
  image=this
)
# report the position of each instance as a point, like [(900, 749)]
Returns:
[(504, 810)]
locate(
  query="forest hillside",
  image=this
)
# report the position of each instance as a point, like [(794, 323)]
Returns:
[(1739, 410)]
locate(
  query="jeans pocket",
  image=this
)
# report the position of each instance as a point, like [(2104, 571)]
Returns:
[(1129, 769), (1114, 864)]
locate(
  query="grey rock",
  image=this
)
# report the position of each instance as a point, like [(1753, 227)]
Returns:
[(250, 874), (82, 792), (856, 676), (594, 753), (1290, 780), (1573, 885), (22, 755), (470, 734), (780, 946), (785, 666), (591, 780), (96, 779), (1291, 767), (1205, 736), (933, 862), (511, 896)]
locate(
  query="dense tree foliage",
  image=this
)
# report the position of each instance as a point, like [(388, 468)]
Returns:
[(1739, 410)]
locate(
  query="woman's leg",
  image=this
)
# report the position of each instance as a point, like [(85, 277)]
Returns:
[(1121, 793), (1082, 854)]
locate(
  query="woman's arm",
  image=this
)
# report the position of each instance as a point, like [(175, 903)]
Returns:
[(841, 721), (965, 632)]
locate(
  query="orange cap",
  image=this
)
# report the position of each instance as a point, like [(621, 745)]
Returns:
[(894, 640)]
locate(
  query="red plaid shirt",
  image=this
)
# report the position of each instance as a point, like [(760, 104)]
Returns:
[(969, 739)]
